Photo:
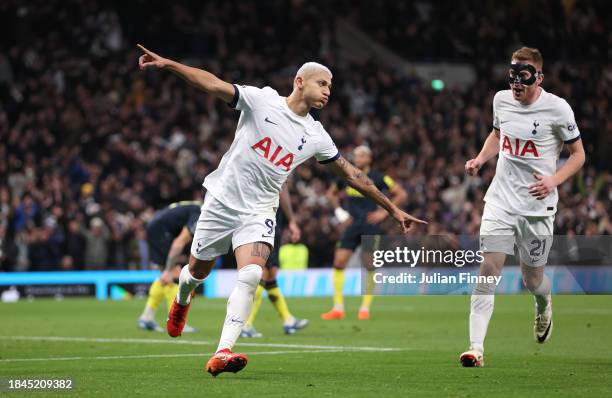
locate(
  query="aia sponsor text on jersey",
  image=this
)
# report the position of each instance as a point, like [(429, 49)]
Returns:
[(275, 154), (519, 147)]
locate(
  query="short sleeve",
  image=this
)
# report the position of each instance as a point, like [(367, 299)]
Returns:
[(326, 149), (565, 125), (389, 182), (192, 221), (246, 97), (495, 112)]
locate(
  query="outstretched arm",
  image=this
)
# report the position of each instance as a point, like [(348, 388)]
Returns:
[(198, 78), (358, 180)]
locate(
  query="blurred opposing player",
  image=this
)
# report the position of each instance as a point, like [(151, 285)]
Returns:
[(291, 325), (168, 232), (365, 220), (530, 127), (274, 135)]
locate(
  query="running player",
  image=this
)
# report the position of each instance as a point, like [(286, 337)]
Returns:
[(530, 127), (168, 232), (365, 220), (274, 135), (291, 325)]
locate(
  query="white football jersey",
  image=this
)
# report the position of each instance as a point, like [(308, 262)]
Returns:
[(531, 139), (270, 142)]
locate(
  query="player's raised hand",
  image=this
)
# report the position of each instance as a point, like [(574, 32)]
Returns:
[(406, 221), (472, 166), (149, 58), (543, 186)]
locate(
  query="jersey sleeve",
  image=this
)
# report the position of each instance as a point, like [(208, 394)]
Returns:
[(326, 149), (389, 182), (247, 97), (565, 125), (381, 181), (495, 112)]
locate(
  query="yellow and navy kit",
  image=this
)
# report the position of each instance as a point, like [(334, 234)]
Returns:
[(281, 224), (167, 224), (358, 207)]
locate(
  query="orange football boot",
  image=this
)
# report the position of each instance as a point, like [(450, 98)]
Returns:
[(363, 314), (226, 361), (333, 314)]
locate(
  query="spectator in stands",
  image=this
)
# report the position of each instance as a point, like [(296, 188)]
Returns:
[(97, 239)]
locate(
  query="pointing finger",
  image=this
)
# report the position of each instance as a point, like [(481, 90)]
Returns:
[(148, 52), (142, 48), (416, 220)]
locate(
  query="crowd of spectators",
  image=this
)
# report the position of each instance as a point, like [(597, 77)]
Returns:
[(91, 146)]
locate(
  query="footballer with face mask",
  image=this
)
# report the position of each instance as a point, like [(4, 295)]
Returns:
[(530, 127)]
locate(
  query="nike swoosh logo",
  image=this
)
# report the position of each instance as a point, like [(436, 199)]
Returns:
[(266, 236), (504, 121), (234, 320), (542, 338), (270, 121)]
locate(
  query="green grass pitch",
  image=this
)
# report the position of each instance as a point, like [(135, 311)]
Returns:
[(410, 347)]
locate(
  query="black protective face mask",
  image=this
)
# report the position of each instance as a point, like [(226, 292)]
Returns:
[(515, 74)]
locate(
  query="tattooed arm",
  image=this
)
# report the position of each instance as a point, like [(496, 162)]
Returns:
[(360, 181)]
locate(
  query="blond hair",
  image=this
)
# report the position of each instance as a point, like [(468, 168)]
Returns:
[(529, 54), (310, 68)]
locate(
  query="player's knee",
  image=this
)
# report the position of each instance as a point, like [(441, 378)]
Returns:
[(489, 269), (492, 265), (270, 284), (250, 275), (200, 268)]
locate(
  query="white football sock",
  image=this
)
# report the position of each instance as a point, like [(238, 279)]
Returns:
[(542, 294), (481, 309), (148, 314), (239, 305), (187, 283), (289, 321)]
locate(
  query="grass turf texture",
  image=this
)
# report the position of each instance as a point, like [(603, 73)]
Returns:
[(429, 332)]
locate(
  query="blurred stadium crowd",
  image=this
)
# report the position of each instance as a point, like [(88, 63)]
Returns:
[(91, 147)]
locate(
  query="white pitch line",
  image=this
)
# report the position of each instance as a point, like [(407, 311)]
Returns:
[(159, 356), (192, 342)]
